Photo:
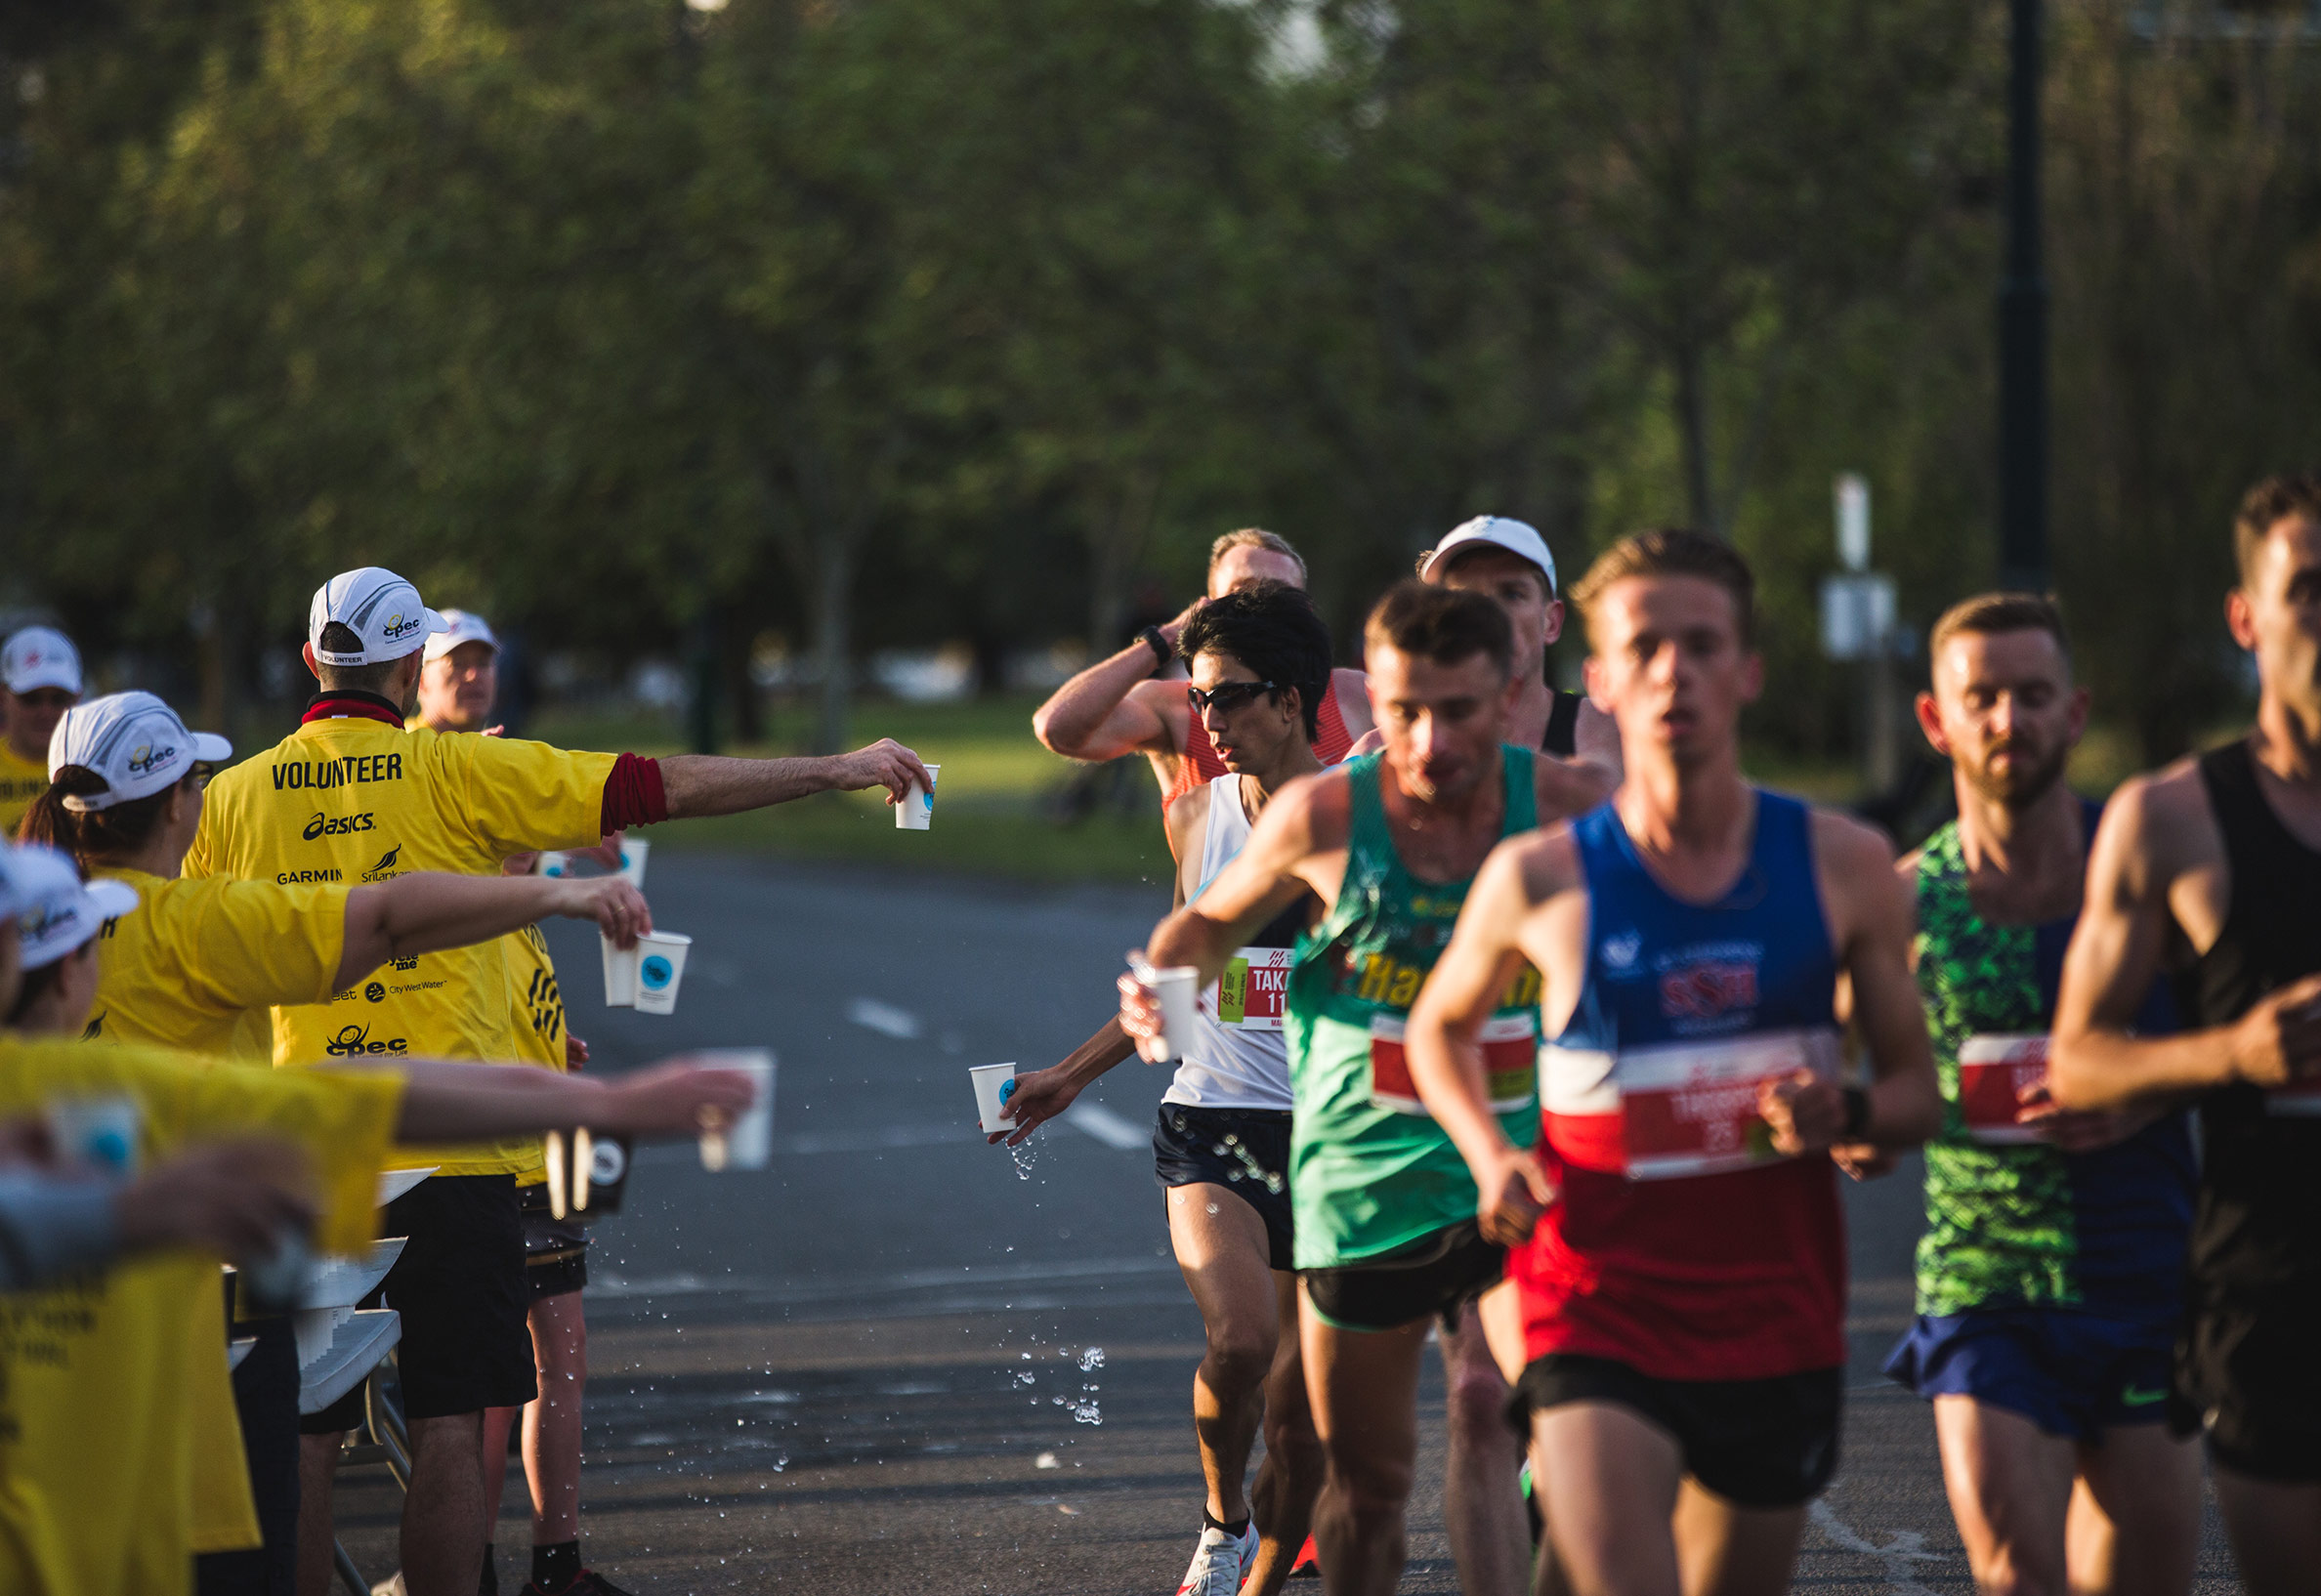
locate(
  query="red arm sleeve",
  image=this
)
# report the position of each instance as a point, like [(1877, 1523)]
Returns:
[(633, 795)]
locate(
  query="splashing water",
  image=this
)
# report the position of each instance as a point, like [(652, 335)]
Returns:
[(1024, 1154), (1249, 1166), (1093, 1358), (1084, 1408), (1024, 1376)]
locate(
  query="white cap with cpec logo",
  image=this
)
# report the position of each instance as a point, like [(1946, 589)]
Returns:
[(379, 608), (135, 742), (461, 627), (1518, 537), (56, 912), (40, 657)]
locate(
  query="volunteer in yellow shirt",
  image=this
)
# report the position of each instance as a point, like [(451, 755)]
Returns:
[(350, 798), (100, 1382), (185, 962), (40, 678)]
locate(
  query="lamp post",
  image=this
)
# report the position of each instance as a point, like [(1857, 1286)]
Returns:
[(2022, 326)]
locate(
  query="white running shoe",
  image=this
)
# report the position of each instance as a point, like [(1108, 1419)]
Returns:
[(1219, 1563)]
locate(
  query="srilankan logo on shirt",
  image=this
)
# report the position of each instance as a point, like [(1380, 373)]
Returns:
[(385, 869)]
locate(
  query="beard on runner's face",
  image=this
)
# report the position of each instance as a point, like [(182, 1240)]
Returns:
[(2028, 772)]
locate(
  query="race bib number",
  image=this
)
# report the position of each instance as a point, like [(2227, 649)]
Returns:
[(1691, 1108), (1993, 1071), (1252, 993), (1511, 1064)]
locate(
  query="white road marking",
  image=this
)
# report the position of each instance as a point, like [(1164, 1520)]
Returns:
[(1097, 1121), (884, 1018), (1900, 1554)]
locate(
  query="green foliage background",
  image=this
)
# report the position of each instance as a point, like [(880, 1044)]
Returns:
[(878, 322)]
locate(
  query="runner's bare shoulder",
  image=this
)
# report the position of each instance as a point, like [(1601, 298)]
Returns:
[(1315, 812), (2160, 824), (1569, 786), (1546, 861)]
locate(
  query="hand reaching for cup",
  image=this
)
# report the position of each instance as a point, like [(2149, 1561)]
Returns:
[(618, 908)]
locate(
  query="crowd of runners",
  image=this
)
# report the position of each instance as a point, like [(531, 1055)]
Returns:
[(1527, 1026)]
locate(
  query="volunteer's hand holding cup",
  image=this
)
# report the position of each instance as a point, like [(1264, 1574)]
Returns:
[(886, 764), (618, 908), (676, 1098)]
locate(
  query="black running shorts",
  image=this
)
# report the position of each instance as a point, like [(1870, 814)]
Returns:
[(1770, 1443), (1433, 1277), (2248, 1379), (555, 1251), (1245, 1151), (460, 1287)]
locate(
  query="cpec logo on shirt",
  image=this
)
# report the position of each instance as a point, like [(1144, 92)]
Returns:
[(354, 1041)]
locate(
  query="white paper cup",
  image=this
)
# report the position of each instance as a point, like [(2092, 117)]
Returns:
[(659, 966), (102, 1132), (916, 810), (748, 1142), (632, 861), (553, 862), (621, 973), (1176, 986), (988, 1078)]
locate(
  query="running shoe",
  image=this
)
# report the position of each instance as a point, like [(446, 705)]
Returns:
[(1218, 1563), (590, 1583), (1309, 1562)]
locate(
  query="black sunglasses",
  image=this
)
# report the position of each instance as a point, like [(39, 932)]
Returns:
[(1226, 696)]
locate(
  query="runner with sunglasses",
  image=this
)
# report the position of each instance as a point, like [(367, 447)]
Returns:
[(1260, 662)]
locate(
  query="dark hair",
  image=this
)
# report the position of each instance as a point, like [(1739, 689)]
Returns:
[(1272, 628), (2265, 506), (99, 835), (36, 984), (1987, 614), (1441, 624), (1674, 551), (340, 638)]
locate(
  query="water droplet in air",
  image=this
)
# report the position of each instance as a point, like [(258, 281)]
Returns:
[(1046, 1460), (1093, 1358)]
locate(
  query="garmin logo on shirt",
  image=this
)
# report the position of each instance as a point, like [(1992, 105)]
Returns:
[(385, 869), (353, 1042), (304, 878), (337, 826), (314, 775)]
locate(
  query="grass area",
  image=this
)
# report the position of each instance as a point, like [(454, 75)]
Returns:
[(996, 807)]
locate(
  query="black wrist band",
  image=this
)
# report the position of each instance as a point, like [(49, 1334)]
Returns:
[(1162, 653), (1857, 1115)]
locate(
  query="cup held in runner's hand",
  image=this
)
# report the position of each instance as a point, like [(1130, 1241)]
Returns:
[(746, 1143), (990, 1081), (102, 1132), (1176, 989), (916, 810)]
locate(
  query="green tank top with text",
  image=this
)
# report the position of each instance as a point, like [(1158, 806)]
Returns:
[(1369, 1171)]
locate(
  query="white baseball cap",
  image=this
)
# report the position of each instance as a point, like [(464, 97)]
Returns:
[(1517, 537), (135, 742), (461, 627), (380, 608), (56, 912), (40, 657)]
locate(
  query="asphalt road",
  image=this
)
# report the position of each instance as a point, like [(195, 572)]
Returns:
[(899, 1360)]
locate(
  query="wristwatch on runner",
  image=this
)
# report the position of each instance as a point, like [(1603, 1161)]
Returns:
[(1162, 651)]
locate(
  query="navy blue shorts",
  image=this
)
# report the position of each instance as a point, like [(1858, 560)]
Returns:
[(2069, 1371)]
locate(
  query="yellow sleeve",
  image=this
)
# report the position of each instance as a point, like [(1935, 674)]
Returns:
[(344, 1118), (526, 795), (201, 860), (254, 943)]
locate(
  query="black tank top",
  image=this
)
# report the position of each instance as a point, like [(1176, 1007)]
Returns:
[(2259, 1222), (1562, 736)]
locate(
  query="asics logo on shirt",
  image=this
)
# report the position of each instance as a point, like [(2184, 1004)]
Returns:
[(353, 1042), (338, 826), (319, 774)]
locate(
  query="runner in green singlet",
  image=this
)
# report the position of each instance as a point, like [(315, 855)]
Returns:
[(1385, 1208)]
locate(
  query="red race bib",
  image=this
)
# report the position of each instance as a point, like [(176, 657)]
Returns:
[(1691, 1108), (1993, 1071), (1510, 1064)]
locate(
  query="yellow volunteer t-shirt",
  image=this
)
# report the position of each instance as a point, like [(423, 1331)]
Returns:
[(348, 801), (106, 1382), (537, 1017), (194, 958), (22, 780)]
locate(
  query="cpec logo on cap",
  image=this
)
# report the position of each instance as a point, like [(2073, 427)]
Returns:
[(135, 742), (380, 608)]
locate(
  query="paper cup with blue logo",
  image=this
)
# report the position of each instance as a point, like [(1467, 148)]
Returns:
[(990, 1103), (553, 862), (621, 973), (102, 1132), (660, 966), (916, 810), (632, 861), (748, 1142)]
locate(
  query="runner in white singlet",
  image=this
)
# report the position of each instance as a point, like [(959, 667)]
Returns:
[(1260, 663)]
